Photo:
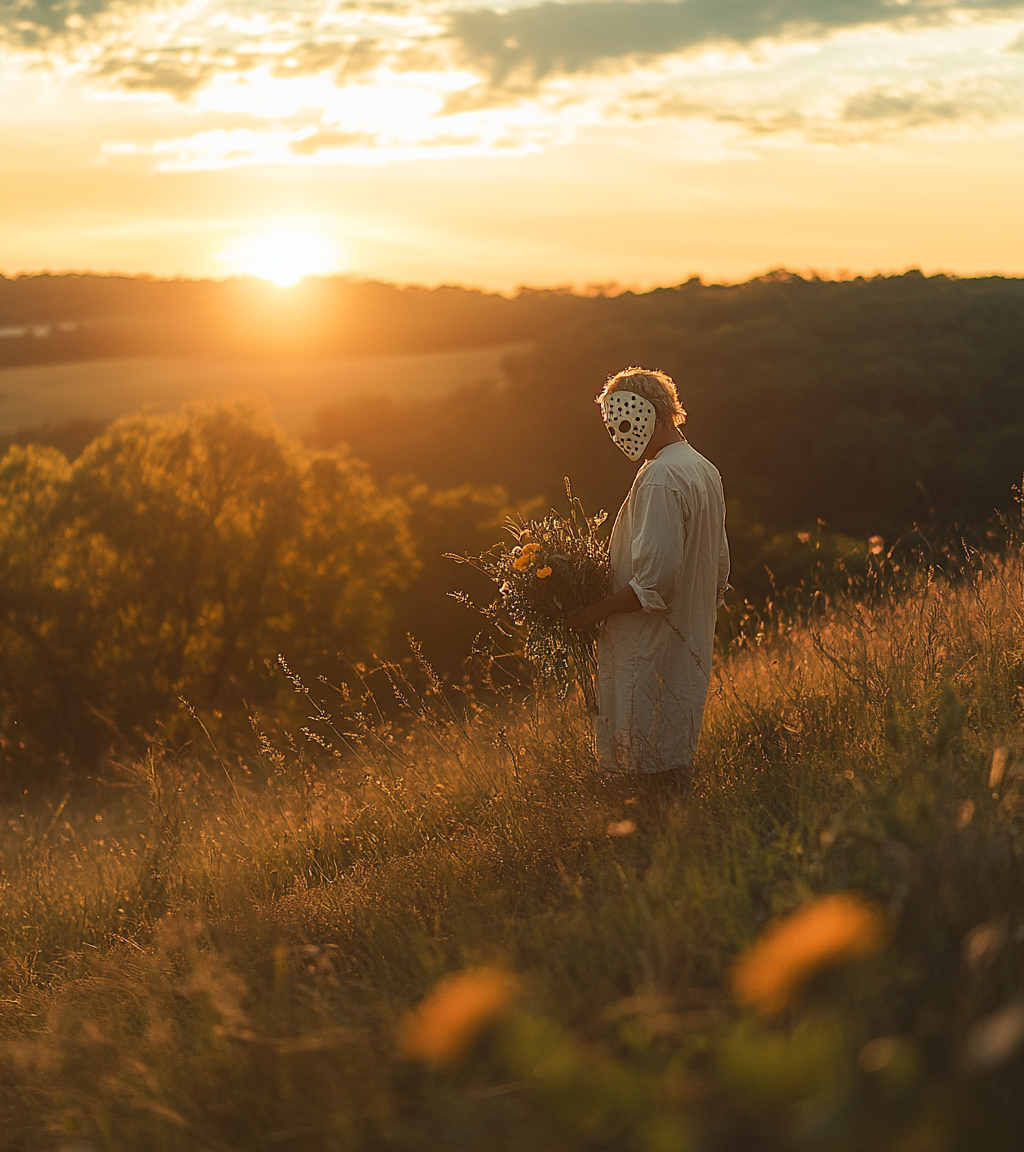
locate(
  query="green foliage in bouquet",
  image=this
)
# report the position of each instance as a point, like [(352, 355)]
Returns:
[(556, 566)]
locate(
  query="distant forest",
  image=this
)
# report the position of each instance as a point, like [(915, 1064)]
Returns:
[(870, 405)]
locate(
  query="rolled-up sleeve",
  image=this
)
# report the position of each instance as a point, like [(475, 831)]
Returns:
[(659, 531)]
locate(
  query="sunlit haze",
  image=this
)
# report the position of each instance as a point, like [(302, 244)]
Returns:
[(638, 142), (283, 257)]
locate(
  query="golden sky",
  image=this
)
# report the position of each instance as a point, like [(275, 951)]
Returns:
[(637, 141)]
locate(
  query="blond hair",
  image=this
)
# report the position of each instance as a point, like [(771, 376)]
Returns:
[(657, 387)]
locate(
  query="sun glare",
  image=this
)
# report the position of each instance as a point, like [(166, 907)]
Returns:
[(283, 257)]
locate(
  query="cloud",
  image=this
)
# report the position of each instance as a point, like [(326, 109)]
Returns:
[(526, 45), (346, 59), (179, 72), (222, 148), (893, 107), (30, 23), (327, 139), (753, 121), (875, 112)]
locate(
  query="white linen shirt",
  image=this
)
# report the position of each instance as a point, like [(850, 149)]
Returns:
[(654, 666)]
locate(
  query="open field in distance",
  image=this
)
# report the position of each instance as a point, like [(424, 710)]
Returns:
[(295, 390)]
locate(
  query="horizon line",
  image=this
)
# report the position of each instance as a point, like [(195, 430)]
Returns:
[(610, 288)]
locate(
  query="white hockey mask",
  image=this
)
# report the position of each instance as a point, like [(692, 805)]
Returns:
[(630, 420)]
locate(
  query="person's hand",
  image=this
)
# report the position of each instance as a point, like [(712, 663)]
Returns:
[(625, 600), (584, 619)]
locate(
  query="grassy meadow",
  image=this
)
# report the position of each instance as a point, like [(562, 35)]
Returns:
[(441, 928)]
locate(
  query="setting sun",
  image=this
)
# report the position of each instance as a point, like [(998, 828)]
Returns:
[(283, 257)]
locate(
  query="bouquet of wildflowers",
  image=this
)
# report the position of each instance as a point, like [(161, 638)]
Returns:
[(555, 567)]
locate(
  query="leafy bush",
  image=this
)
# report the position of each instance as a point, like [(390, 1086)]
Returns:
[(174, 557)]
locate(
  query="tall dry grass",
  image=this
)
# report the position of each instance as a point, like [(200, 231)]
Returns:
[(224, 954)]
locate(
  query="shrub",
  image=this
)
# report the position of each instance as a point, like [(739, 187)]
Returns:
[(173, 557)]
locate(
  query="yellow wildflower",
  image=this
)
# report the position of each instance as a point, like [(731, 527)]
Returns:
[(825, 932), (543, 573), (454, 1013)]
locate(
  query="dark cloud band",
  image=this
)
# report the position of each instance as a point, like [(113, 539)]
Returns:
[(32, 22), (529, 44)]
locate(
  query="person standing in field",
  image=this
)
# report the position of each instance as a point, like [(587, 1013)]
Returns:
[(670, 572)]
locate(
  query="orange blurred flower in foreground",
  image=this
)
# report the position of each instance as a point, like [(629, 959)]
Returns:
[(543, 573), (453, 1014), (825, 932), (621, 828)]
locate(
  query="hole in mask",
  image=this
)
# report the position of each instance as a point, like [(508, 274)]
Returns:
[(624, 426)]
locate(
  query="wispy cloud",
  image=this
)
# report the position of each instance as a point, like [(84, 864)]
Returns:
[(932, 103), (869, 114)]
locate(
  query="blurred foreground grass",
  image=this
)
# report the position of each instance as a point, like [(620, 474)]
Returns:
[(454, 934)]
